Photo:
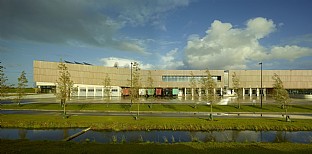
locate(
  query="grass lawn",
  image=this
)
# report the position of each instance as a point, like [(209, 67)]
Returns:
[(24, 146), (162, 107), (119, 123)]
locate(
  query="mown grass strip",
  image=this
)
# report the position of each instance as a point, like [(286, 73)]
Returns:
[(119, 123), (24, 146)]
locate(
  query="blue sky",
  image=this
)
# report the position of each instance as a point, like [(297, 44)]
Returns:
[(159, 34)]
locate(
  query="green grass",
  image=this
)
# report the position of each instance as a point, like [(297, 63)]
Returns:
[(119, 123), (24, 146), (162, 107)]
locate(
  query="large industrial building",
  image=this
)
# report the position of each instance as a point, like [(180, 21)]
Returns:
[(89, 80)]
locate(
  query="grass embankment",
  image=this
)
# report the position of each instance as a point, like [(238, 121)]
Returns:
[(119, 123), (24, 146), (162, 107)]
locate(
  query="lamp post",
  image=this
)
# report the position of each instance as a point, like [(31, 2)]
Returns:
[(131, 83), (261, 91)]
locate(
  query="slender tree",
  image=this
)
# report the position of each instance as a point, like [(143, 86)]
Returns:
[(64, 85), (237, 88), (21, 85), (136, 85), (209, 85), (107, 88), (3, 79), (280, 94), (193, 85), (150, 86)]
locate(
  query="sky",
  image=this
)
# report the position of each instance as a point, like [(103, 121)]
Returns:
[(158, 34)]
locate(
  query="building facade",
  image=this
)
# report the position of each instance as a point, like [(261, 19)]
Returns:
[(89, 80)]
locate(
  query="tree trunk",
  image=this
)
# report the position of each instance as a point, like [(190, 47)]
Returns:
[(211, 117), (63, 102), (138, 110)]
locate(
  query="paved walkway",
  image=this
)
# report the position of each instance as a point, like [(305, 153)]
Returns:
[(161, 113), (51, 98)]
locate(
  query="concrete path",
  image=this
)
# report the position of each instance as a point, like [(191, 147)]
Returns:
[(160, 113)]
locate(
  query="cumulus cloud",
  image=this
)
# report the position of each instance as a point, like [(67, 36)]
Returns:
[(123, 62), (169, 61), (225, 47), (79, 22), (289, 52), (260, 27)]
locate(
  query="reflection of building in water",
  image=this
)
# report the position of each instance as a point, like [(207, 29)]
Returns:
[(89, 80)]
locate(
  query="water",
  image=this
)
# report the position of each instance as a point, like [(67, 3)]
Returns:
[(159, 136)]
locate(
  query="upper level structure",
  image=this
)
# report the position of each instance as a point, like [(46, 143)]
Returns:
[(46, 74)]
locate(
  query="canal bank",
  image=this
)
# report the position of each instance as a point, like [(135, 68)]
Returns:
[(156, 136), (24, 146), (119, 123)]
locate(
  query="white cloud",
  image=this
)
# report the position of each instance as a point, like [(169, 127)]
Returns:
[(225, 47), (169, 61), (289, 52), (260, 27), (123, 62)]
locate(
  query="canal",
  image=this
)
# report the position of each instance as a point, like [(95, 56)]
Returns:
[(156, 136)]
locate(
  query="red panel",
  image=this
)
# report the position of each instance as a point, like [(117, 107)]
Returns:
[(158, 92), (125, 92)]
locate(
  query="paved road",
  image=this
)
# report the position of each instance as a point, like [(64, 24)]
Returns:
[(162, 114)]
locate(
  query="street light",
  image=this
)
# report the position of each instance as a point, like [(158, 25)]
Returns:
[(131, 83), (261, 91)]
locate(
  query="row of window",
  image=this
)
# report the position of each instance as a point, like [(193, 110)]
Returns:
[(97, 90), (187, 78)]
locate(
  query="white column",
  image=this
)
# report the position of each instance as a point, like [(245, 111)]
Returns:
[(184, 93), (192, 92), (264, 91), (258, 94), (250, 92), (214, 91), (199, 92), (87, 91), (78, 94), (243, 92), (221, 91), (94, 91), (102, 91)]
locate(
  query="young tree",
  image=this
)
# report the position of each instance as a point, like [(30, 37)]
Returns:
[(193, 85), (150, 85), (21, 85), (237, 88), (136, 85), (209, 85), (107, 88), (280, 94), (64, 85), (3, 79), (116, 64)]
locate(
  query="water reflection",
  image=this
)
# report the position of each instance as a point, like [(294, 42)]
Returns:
[(160, 136)]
